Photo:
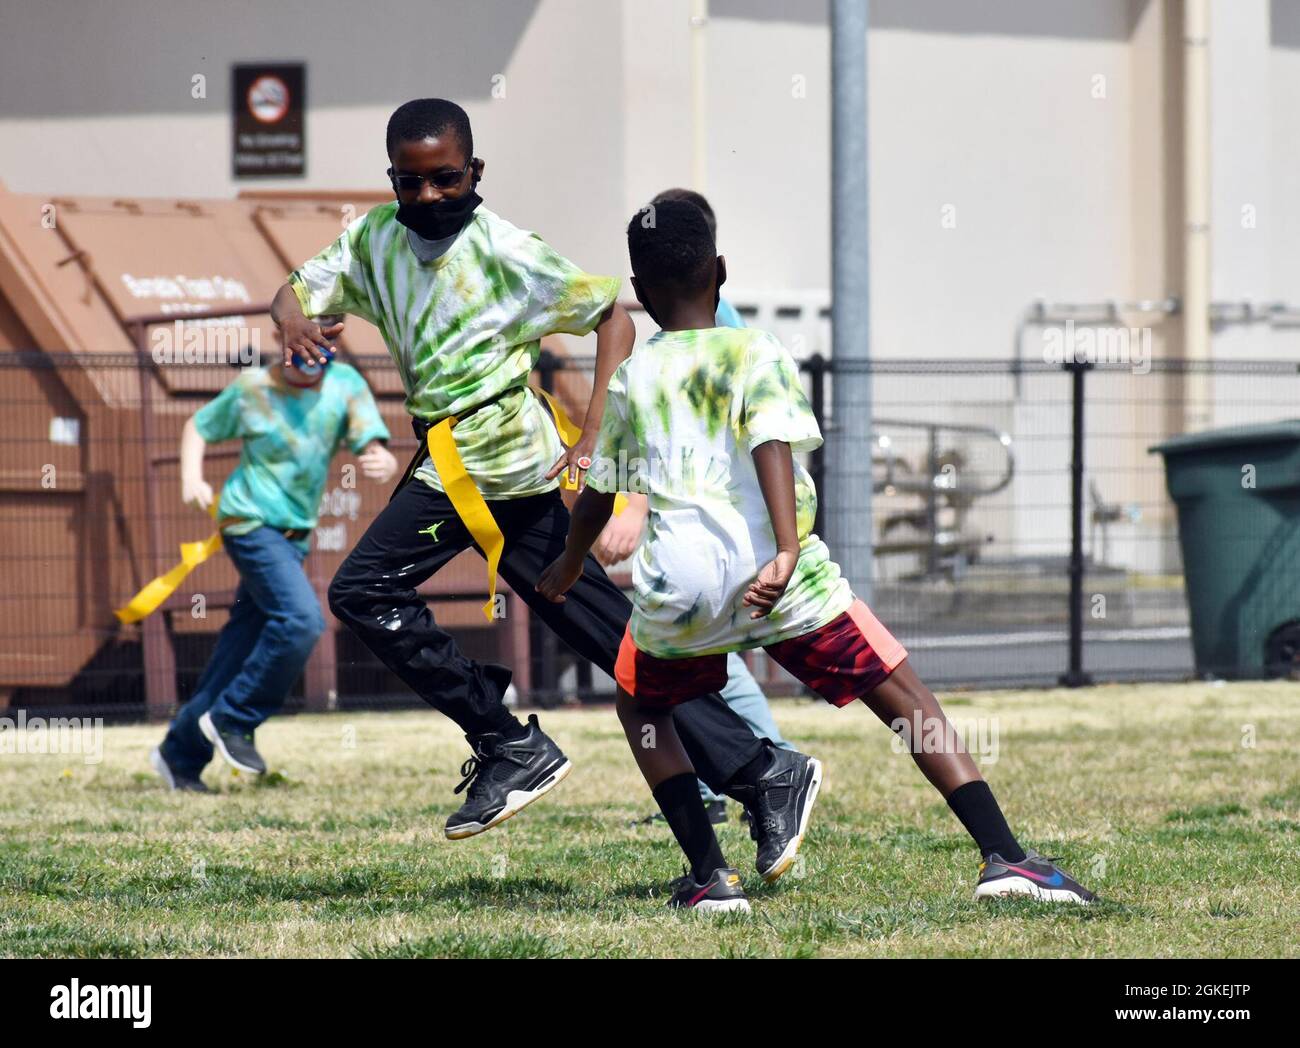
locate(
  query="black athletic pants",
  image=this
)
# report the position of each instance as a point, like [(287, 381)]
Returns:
[(374, 593)]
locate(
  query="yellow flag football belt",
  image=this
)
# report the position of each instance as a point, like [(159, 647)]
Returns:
[(468, 501), (151, 598)]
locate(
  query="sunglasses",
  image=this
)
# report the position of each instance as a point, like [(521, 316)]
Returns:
[(302, 364), (439, 179)]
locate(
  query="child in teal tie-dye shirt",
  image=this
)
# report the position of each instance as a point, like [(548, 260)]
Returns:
[(288, 437), (290, 420)]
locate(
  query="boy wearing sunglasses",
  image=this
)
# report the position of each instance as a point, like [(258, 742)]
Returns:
[(462, 299)]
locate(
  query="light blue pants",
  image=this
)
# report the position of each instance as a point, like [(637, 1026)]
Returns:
[(743, 695)]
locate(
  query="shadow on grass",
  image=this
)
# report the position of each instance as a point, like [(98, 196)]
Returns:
[(79, 942), (1205, 813), (468, 945), (530, 890), (641, 891)]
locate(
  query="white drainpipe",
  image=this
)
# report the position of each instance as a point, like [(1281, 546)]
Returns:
[(699, 97), (1197, 412)]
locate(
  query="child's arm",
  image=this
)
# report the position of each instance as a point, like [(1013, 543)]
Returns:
[(614, 337), (590, 514), (297, 331), (195, 491), (775, 467), (366, 433)]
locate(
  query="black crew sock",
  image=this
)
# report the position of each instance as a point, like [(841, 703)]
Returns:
[(748, 773), (973, 804), (679, 799)]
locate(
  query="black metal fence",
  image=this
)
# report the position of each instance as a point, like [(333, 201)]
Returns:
[(1020, 529)]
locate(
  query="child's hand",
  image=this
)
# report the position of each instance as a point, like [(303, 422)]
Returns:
[(575, 461), (766, 590), (559, 577), (306, 337), (622, 534), (196, 493), (377, 463)]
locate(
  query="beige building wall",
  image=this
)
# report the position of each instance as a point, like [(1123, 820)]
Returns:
[(1019, 149)]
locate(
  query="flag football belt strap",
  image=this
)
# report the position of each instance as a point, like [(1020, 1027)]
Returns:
[(464, 495), (151, 598)]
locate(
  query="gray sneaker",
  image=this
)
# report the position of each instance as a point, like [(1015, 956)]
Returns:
[(174, 779), (235, 748)]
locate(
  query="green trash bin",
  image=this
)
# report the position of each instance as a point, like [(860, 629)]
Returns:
[(1237, 491)]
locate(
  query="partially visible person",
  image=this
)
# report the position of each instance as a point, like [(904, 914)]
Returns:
[(623, 534), (291, 418)]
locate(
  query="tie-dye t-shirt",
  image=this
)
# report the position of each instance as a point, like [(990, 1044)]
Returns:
[(289, 439), (684, 414), (463, 328)]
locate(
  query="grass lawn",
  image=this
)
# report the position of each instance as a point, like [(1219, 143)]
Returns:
[(1178, 804)]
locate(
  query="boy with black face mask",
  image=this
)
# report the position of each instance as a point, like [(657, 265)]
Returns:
[(462, 298)]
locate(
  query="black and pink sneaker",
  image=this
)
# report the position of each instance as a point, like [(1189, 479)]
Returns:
[(721, 893), (1034, 875)]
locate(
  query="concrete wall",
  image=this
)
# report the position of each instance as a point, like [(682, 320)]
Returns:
[(97, 98), (1019, 149)]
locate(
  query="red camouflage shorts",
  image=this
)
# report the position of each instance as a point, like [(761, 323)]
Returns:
[(848, 658)]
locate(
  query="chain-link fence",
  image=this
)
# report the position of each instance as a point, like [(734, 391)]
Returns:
[(970, 536)]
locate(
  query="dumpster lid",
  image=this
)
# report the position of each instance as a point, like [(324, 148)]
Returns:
[(1264, 433)]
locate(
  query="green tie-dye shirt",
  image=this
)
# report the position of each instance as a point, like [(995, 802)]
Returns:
[(289, 439), (462, 329), (684, 414)]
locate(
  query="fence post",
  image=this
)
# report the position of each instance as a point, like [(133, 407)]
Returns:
[(1074, 677), (543, 645), (160, 690), (816, 367)]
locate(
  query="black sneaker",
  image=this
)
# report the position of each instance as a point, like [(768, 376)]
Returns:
[(175, 780), (505, 776), (779, 808), (721, 893), (237, 750), (1034, 875)]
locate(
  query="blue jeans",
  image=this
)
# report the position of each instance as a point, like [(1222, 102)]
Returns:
[(274, 624), (744, 696)]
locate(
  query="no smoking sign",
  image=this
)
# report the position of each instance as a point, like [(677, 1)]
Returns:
[(268, 102)]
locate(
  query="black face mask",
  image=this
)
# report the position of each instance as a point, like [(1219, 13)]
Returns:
[(440, 219)]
